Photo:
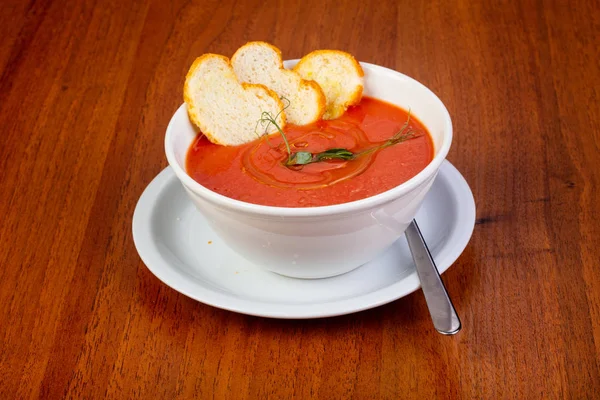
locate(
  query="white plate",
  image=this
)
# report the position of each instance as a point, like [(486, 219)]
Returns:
[(176, 243)]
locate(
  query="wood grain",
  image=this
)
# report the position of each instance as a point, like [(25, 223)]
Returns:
[(86, 91)]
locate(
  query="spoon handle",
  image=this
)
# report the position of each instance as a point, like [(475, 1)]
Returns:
[(441, 309)]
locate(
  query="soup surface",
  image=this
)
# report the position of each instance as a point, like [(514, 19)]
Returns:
[(255, 172)]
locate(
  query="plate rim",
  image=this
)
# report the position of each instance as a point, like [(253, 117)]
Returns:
[(161, 269)]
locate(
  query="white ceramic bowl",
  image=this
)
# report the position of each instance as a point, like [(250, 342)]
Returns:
[(318, 242)]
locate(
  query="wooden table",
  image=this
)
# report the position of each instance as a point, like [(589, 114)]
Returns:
[(86, 91)]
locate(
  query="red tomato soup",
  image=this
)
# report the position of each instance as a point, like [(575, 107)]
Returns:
[(256, 172)]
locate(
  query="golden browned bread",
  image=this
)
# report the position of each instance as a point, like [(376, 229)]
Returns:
[(260, 62), (338, 74), (224, 109)]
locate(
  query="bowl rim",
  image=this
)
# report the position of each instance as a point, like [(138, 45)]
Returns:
[(317, 211)]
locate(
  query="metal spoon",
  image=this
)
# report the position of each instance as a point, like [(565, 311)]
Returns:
[(444, 317)]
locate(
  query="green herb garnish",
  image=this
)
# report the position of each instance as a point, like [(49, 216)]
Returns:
[(267, 118), (301, 158), (305, 157)]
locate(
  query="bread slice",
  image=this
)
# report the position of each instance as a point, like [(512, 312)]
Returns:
[(260, 62), (225, 110), (339, 75)]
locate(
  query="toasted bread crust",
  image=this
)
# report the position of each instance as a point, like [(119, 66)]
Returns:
[(197, 114), (322, 99), (323, 84), (308, 90), (334, 107), (315, 53), (271, 94), (258, 43), (187, 95)]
